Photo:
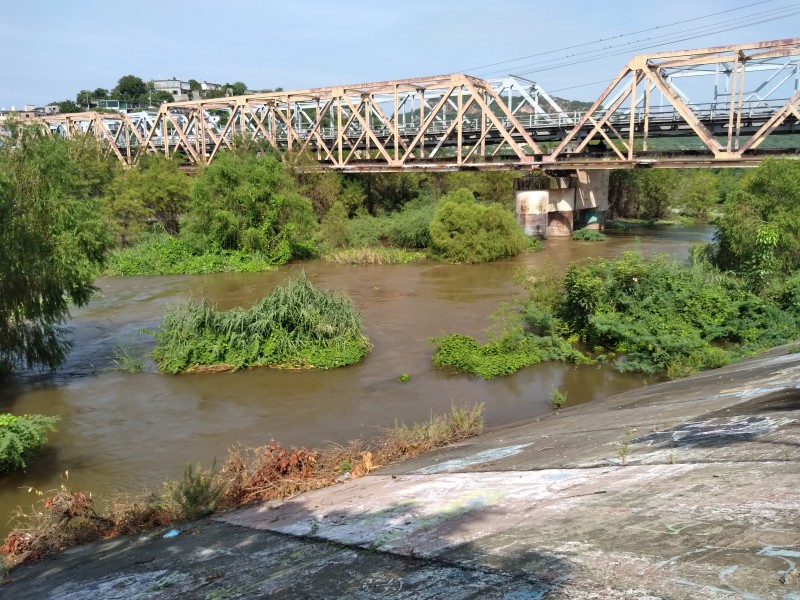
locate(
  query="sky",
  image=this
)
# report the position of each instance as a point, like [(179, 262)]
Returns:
[(52, 49)]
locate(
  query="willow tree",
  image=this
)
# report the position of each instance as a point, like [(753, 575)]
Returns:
[(52, 241)]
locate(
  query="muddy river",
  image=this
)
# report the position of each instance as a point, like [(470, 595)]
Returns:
[(130, 431)]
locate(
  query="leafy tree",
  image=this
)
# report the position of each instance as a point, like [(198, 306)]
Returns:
[(83, 99), (464, 230), (157, 189), (642, 194), (759, 232), (238, 88), (697, 193), (131, 89), (245, 202), (100, 94), (68, 106), (51, 244)]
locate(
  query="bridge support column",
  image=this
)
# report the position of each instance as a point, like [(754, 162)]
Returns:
[(545, 206), (591, 199)]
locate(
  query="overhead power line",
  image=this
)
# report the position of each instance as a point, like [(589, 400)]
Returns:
[(666, 38)]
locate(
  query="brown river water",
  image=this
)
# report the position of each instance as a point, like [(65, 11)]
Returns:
[(130, 431)]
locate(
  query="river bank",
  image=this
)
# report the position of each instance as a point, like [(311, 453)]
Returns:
[(679, 490)]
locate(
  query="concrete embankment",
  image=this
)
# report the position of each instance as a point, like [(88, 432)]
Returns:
[(686, 489)]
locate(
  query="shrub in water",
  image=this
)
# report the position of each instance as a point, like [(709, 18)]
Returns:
[(464, 230), (21, 437), (295, 326), (588, 235)]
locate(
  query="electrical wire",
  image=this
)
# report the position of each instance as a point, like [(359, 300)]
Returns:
[(622, 35), (662, 40), (549, 66)]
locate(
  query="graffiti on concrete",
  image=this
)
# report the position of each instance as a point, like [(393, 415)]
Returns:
[(475, 459), (713, 432)]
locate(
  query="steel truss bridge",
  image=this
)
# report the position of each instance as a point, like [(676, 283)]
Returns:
[(724, 106)]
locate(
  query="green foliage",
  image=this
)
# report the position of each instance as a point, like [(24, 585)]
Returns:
[(488, 186), (759, 232), (462, 422), (247, 202), (130, 88), (296, 326), (588, 235), (163, 254), (52, 242), (403, 377), (410, 227), (373, 255), (197, 494), (333, 228), (557, 398), (21, 438), (697, 193), (154, 190), (466, 231), (642, 194), (128, 356), (666, 317), (501, 356)]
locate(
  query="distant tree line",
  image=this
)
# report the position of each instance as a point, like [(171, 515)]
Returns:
[(135, 90)]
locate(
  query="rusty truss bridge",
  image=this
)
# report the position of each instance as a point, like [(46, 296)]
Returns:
[(725, 106)]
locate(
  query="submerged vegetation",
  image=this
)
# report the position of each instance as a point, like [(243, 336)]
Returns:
[(64, 518), (295, 326)]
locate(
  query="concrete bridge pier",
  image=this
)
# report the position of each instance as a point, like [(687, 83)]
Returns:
[(554, 206)]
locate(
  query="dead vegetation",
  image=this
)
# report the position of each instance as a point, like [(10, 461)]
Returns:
[(65, 518)]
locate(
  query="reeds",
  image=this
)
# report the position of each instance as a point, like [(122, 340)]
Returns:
[(295, 326)]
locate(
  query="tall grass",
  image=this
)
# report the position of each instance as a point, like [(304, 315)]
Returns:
[(295, 326), (375, 255)]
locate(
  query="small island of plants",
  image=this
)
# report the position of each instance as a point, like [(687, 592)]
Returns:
[(296, 326)]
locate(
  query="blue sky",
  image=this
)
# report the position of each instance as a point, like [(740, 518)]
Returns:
[(51, 49)]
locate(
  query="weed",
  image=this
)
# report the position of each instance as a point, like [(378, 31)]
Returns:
[(557, 398), (198, 493), (345, 466), (128, 356), (373, 255), (588, 235), (623, 447), (295, 326), (403, 377), (314, 527)]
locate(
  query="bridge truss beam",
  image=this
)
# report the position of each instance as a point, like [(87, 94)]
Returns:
[(730, 127), (731, 101)]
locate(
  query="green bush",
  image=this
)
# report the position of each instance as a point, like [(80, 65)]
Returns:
[(588, 235), (197, 494), (759, 232), (466, 231), (21, 438), (163, 254), (501, 357), (665, 317), (410, 227), (244, 202), (295, 326)]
